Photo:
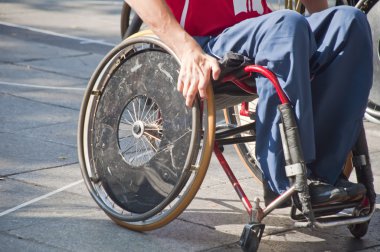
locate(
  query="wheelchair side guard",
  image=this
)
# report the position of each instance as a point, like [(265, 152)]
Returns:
[(142, 132)]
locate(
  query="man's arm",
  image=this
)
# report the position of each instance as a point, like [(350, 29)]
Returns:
[(196, 66), (315, 5)]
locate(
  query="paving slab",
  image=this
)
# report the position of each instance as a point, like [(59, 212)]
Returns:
[(22, 154), (18, 50), (97, 20), (62, 97), (37, 65), (18, 244), (60, 221), (52, 179), (29, 78)]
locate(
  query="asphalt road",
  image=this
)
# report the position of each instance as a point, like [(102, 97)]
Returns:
[(48, 51)]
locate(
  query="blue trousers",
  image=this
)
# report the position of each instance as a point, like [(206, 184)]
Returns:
[(324, 64)]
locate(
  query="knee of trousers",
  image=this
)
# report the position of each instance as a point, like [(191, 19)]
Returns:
[(291, 24), (353, 18), (349, 13), (358, 29), (287, 32)]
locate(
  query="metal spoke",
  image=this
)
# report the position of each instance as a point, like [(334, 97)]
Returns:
[(138, 110), (142, 113), (150, 135), (155, 150), (130, 114), (148, 111), (134, 109), (125, 121), (152, 116)]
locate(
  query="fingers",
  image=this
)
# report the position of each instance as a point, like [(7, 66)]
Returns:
[(195, 86), (195, 76), (215, 69), (203, 82)]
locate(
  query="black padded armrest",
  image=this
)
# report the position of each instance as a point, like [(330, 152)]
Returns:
[(228, 94), (234, 63)]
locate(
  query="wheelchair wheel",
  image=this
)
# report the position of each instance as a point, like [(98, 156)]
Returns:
[(359, 230), (140, 148), (246, 151)]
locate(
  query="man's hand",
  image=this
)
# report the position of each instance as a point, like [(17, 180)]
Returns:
[(197, 68)]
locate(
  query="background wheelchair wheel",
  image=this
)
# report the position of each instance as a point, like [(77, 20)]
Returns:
[(124, 18), (372, 9), (130, 22), (373, 108), (139, 146), (246, 151)]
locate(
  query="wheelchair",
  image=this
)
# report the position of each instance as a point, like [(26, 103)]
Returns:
[(144, 154)]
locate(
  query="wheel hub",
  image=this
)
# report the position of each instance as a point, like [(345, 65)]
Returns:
[(138, 129)]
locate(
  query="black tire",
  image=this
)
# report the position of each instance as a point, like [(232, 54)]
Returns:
[(130, 22), (246, 151), (118, 182), (124, 18), (361, 229)]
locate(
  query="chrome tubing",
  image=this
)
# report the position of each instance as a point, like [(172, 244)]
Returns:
[(272, 206), (346, 222)]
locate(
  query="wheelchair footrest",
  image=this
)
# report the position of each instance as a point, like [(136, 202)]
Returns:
[(323, 211), (251, 236)]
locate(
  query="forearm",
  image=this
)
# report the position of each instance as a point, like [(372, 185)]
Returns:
[(315, 5), (157, 15)]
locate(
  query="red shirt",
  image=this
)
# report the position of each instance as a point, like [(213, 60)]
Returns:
[(210, 17)]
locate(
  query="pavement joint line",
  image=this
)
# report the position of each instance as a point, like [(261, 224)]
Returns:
[(280, 231), (225, 246), (7, 233), (38, 127), (195, 223), (39, 137), (40, 102), (5, 83), (81, 39), (47, 70), (44, 59), (40, 198), (39, 169)]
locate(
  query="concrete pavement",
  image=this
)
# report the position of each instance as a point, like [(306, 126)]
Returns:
[(48, 50)]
